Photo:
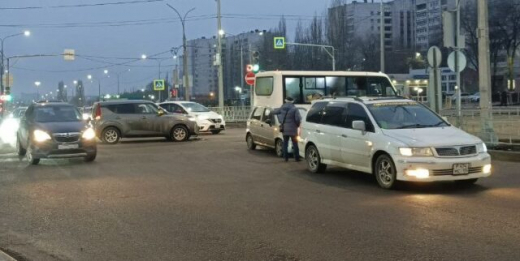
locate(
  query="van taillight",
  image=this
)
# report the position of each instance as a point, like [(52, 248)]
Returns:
[(98, 113)]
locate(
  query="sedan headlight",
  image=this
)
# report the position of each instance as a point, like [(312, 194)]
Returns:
[(482, 148), (89, 134), (416, 152), (41, 136)]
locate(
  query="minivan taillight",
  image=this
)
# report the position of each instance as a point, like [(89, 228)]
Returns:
[(98, 112)]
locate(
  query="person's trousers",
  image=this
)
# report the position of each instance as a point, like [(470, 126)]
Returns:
[(296, 151)]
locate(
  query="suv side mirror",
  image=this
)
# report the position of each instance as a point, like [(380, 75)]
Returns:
[(359, 125), (161, 112)]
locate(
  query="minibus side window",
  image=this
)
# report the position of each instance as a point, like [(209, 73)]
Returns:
[(264, 86)]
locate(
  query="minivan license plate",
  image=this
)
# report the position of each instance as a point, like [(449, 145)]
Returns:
[(68, 146), (460, 169)]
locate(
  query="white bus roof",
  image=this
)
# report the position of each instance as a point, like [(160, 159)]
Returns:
[(319, 73)]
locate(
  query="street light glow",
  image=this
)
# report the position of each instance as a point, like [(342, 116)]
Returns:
[(417, 55), (89, 77), (27, 33), (105, 71), (143, 56), (75, 82), (37, 84), (221, 32)]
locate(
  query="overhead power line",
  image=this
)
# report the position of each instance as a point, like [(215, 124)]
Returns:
[(80, 5)]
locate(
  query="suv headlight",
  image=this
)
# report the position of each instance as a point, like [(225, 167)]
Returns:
[(41, 136), (416, 152), (482, 148), (89, 134), (202, 117), (191, 118)]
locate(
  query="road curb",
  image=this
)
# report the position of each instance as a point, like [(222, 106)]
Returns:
[(505, 155), (5, 257)]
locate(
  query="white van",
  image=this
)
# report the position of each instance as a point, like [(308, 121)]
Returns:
[(393, 138), (272, 87)]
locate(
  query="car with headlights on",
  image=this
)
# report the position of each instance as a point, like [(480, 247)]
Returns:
[(55, 130), (395, 139), (208, 121), (114, 120)]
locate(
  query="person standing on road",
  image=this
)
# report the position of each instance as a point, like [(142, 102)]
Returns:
[(290, 119)]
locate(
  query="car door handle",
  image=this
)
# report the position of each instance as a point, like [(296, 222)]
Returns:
[(262, 125), (344, 136), (318, 131)]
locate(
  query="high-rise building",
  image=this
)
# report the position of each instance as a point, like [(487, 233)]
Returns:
[(403, 21), (428, 22), (236, 53)]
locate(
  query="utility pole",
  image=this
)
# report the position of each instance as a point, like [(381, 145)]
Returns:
[(219, 59), (185, 51), (457, 64), (486, 116), (382, 36)]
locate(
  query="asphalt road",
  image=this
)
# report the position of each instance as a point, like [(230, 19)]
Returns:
[(212, 199)]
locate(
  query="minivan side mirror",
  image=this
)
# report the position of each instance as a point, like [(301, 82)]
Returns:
[(161, 112), (359, 125), (268, 121)]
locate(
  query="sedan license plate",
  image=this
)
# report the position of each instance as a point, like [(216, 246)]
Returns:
[(460, 169), (68, 146), (217, 126)]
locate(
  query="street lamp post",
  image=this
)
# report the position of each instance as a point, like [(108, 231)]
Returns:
[(37, 83), (185, 50), (2, 54)]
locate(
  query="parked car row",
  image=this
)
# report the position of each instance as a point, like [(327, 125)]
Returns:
[(393, 138)]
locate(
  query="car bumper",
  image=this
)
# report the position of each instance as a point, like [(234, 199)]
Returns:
[(63, 150), (210, 126), (441, 169)]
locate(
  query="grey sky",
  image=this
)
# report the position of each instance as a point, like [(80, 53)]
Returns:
[(122, 41)]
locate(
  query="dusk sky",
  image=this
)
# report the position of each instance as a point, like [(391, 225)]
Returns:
[(104, 31)]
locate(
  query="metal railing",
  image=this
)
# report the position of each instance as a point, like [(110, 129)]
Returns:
[(235, 114)]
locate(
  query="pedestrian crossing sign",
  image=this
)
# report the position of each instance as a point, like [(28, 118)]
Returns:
[(158, 85), (279, 43)]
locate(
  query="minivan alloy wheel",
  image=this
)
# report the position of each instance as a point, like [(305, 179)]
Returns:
[(385, 172), (180, 133), (279, 147)]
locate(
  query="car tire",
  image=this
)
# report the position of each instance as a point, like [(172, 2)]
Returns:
[(385, 172), (466, 182), (20, 150), (32, 160), (250, 142), (110, 136), (215, 132), (312, 155), (278, 147), (90, 157), (179, 133)]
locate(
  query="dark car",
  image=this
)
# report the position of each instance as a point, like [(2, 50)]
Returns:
[(55, 130), (114, 120)]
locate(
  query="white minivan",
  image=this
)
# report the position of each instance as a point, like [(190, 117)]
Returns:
[(393, 138)]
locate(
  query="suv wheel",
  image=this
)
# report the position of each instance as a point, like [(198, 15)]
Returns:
[(19, 148), (250, 142), (278, 146), (90, 157), (110, 136), (30, 157), (180, 133), (314, 160), (385, 172)]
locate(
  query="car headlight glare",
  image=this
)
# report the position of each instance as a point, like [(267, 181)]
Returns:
[(416, 152), (89, 134), (482, 148), (41, 136)]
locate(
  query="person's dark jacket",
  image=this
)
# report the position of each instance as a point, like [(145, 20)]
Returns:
[(292, 121)]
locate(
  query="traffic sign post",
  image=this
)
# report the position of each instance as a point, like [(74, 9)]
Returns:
[(434, 92), (250, 78), (279, 42), (462, 62), (158, 85)]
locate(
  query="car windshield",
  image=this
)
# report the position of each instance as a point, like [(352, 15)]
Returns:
[(405, 115), (195, 107), (57, 114)]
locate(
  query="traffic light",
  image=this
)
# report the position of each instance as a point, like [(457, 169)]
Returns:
[(6, 97), (256, 68)]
